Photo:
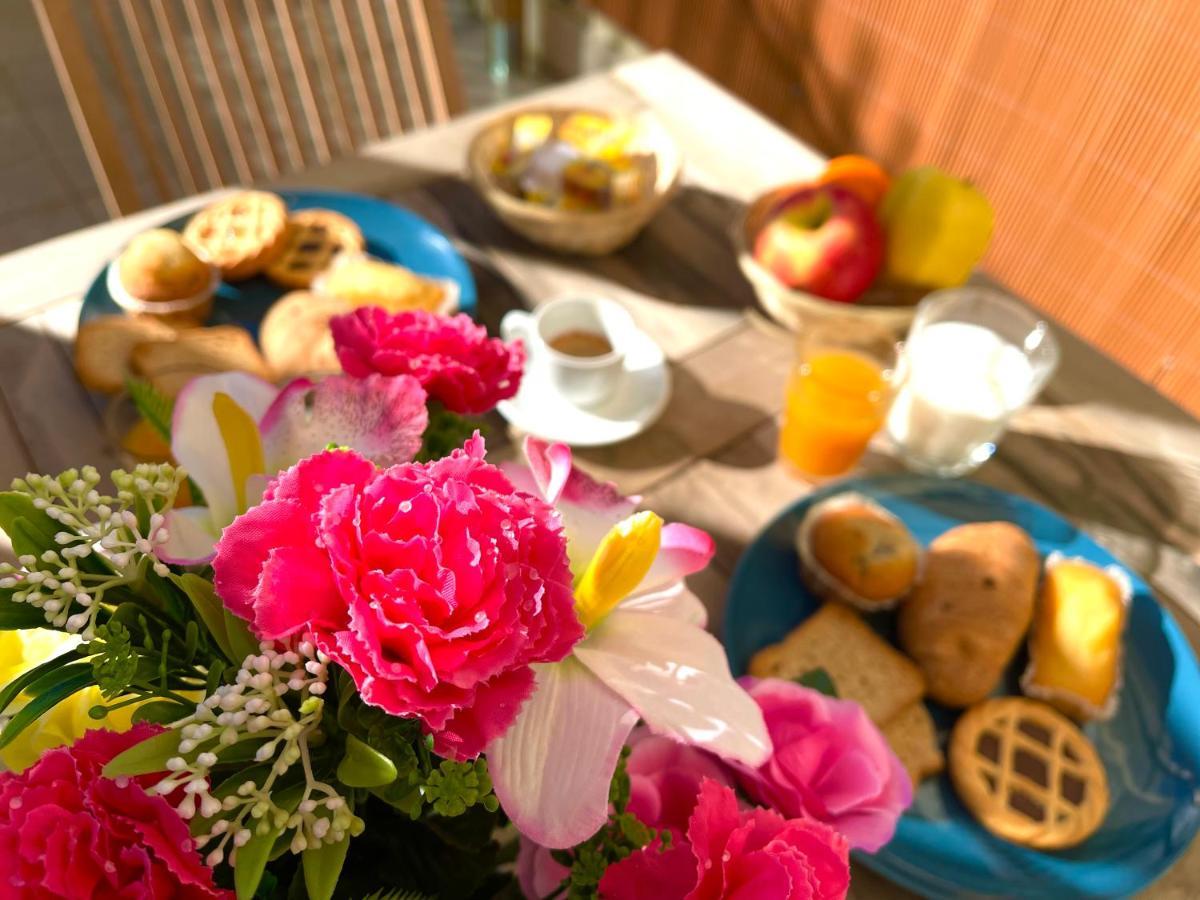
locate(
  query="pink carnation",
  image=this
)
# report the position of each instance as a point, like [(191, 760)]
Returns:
[(664, 785), (434, 585), (453, 358), (733, 854), (830, 763), (66, 831)]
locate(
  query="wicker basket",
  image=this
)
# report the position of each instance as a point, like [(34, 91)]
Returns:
[(885, 306), (574, 231)]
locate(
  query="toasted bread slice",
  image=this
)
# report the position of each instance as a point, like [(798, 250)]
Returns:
[(863, 666), (913, 738), (104, 344), (169, 365)]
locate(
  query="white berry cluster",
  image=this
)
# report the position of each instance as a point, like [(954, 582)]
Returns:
[(256, 708), (92, 523)]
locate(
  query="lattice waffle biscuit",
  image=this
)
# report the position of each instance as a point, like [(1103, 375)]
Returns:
[(314, 237), (1028, 774), (239, 234)]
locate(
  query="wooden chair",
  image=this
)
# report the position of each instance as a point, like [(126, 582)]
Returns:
[(173, 97)]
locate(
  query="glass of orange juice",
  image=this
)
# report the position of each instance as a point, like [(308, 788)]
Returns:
[(837, 396)]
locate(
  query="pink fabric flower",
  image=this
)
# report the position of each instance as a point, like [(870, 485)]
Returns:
[(664, 785), (434, 585), (732, 854), (830, 763), (452, 357), (66, 831)]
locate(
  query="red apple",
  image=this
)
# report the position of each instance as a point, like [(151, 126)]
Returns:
[(824, 240)]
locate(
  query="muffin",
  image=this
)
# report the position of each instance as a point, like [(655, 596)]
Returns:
[(1075, 645), (853, 550), (158, 267)]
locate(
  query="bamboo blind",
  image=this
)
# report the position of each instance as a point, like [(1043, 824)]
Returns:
[(1080, 121)]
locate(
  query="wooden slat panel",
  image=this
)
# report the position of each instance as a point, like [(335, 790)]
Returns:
[(1081, 126), (279, 101), (325, 56), (308, 102), (383, 82), (248, 89), (358, 82), (403, 58)]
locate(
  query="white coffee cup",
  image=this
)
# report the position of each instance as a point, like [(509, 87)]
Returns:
[(583, 380)]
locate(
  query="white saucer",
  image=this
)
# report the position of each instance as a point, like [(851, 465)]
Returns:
[(638, 400)]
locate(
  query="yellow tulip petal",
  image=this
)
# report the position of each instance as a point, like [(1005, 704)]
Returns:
[(243, 444), (621, 562)]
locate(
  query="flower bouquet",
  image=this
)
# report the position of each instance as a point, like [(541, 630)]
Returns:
[(336, 651)]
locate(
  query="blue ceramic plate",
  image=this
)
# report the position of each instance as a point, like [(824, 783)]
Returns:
[(1151, 749), (392, 233)]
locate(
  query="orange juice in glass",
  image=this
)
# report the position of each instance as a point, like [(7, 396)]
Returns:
[(837, 397)]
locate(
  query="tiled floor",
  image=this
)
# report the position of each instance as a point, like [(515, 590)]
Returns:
[(46, 187)]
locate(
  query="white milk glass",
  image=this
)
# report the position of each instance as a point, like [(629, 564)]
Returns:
[(973, 357)]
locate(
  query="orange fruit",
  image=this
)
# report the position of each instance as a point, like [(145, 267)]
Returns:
[(859, 175)]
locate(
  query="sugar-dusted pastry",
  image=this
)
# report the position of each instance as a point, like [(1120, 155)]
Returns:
[(314, 237), (157, 266), (852, 549), (295, 337), (362, 281), (971, 609), (863, 666), (239, 234), (1075, 645), (1028, 774)]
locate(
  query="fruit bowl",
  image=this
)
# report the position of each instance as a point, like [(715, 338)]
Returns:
[(590, 233), (883, 305)]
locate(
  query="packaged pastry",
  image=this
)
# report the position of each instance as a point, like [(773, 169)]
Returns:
[(971, 609), (240, 234), (157, 266), (853, 550), (362, 281), (1075, 645), (1027, 774)]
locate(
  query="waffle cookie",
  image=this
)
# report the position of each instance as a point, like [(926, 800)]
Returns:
[(239, 234), (1028, 774), (314, 237)]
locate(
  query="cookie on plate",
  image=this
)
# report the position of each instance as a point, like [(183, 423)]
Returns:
[(863, 666), (239, 234), (314, 237), (169, 365), (1028, 774), (295, 336), (103, 346)]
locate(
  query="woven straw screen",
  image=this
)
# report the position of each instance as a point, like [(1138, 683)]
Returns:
[(1080, 119)]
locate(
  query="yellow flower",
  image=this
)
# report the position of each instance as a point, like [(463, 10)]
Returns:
[(20, 651)]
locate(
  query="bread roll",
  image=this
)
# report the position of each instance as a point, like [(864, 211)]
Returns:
[(971, 609)]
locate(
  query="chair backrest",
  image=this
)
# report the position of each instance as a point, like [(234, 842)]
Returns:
[(172, 97)]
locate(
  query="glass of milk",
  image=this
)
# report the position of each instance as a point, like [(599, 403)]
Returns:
[(973, 357)]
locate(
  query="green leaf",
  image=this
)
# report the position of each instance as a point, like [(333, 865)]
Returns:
[(241, 642), (252, 861), (210, 609), (11, 690), (49, 680), (819, 680), (363, 766), (26, 538), (16, 616), (154, 406), (18, 505), (148, 756), (42, 704), (322, 867), (162, 712)]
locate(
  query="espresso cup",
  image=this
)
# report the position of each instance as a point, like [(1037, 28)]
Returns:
[(580, 340)]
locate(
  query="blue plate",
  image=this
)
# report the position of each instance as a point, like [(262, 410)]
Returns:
[(1151, 749), (392, 233)]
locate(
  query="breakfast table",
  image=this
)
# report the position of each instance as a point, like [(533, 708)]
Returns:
[(1099, 446)]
